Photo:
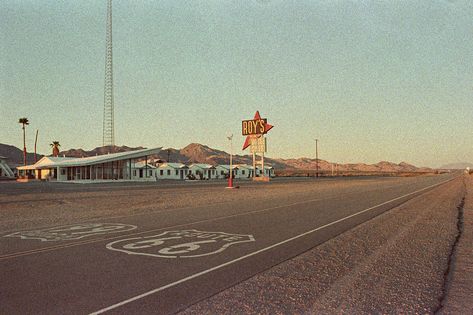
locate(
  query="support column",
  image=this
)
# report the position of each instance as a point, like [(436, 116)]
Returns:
[(254, 165), (146, 166), (262, 163), (130, 167)]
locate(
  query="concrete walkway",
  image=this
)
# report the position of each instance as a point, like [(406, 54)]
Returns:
[(459, 296)]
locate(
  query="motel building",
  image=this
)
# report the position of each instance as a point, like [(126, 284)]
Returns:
[(244, 171), (223, 171), (204, 171), (115, 166), (142, 170), (172, 171), (268, 171), (240, 171)]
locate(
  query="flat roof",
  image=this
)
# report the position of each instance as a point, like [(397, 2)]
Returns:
[(91, 160), (173, 165)]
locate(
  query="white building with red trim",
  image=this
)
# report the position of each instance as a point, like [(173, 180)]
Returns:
[(130, 165)]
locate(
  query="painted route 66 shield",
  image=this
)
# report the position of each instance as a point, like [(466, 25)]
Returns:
[(73, 231), (179, 244)]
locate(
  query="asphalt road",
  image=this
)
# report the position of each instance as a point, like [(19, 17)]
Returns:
[(165, 261)]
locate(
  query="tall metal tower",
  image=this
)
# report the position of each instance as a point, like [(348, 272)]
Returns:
[(108, 116)]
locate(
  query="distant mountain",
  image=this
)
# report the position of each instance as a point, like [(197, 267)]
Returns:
[(97, 151), (14, 156), (457, 166), (198, 153)]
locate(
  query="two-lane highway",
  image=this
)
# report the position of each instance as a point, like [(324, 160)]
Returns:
[(164, 261)]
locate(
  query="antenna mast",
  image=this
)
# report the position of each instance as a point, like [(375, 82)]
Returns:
[(108, 116)]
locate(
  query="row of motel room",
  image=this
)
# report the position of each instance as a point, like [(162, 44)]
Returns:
[(132, 165)]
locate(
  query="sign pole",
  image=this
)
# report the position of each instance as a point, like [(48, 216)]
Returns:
[(230, 177), (254, 165), (231, 162), (262, 163), (317, 158)]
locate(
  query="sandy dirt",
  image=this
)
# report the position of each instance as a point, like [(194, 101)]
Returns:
[(33, 210)]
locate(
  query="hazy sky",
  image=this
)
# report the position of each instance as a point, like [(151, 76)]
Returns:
[(373, 80)]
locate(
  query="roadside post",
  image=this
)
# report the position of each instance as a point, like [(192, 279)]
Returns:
[(230, 171)]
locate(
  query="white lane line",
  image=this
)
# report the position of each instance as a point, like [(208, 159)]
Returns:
[(196, 275)]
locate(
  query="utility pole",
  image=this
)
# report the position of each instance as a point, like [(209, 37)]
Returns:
[(230, 177), (35, 142), (317, 158)]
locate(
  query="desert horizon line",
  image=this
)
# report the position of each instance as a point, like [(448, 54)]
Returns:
[(313, 159)]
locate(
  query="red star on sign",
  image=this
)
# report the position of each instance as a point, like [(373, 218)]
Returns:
[(267, 127)]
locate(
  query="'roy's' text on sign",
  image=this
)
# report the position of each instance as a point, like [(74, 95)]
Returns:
[(253, 127)]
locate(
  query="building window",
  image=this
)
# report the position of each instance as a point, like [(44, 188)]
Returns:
[(222, 173), (242, 172), (134, 172), (177, 172), (63, 171), (169, 172), (150, 173)]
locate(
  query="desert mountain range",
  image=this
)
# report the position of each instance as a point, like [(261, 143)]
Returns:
[(198, 153), (14, 156)]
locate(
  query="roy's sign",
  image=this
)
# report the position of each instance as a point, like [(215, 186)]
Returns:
[(254, 127)]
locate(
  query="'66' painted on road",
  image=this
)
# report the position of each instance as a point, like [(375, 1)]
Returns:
[(179, 244)]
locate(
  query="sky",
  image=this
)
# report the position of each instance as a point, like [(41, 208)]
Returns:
[(372, 80)]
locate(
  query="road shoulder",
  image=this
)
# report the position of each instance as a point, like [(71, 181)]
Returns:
[(459, 295), (393, 263)]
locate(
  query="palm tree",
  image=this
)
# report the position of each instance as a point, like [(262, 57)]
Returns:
[(55, 145), (24, 121)]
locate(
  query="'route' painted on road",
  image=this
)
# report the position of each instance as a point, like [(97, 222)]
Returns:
[(73, 231)]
